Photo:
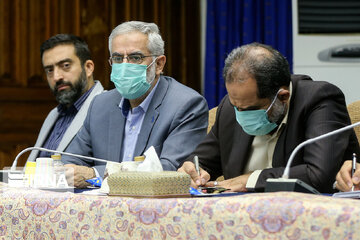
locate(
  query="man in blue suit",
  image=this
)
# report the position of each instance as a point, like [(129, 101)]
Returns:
[(146, 109)]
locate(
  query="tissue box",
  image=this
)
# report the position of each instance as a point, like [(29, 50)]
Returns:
[(147, 184)]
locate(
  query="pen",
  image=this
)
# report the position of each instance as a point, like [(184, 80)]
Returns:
[(196, 161), (353, 168)]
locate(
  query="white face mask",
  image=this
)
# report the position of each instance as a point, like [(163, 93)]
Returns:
[(256, 122)]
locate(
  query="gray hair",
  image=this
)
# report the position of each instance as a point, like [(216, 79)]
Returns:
[(155, 42)]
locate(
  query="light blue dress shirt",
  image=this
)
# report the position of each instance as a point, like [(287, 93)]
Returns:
[(134, 119)]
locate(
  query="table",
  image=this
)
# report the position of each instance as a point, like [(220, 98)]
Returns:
[(35, 214)]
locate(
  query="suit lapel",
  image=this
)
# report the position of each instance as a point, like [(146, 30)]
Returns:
[(44, 132), (48, 125), (116, 131), (279, 152), (151, 117), (240, 150)]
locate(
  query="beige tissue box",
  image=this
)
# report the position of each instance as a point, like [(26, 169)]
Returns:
[(149, 184)]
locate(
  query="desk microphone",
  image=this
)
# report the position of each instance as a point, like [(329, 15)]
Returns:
[(296, 185), (13, 167), (4, 174)]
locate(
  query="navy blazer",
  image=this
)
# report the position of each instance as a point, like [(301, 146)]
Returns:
[(316, 108), (175, 123)]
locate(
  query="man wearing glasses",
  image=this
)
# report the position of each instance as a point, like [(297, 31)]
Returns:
[(146, 109)]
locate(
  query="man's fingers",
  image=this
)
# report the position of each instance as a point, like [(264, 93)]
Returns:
[(69, 174), (213, 184), (341, 185), (189, 168), (197, 180), (76, 175), (69, 170), (356, 177), (345, 171), (343, 178)]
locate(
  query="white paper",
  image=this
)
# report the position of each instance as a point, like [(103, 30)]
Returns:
[(353, 194), (150, 164), (111, 168)]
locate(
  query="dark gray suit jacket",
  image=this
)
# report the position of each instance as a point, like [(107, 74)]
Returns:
[(175, 123), (316, 108)]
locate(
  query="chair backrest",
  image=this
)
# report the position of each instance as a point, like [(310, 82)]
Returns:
[(212, 117), (354, 112)]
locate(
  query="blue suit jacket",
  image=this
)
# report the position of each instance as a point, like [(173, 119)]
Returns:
[(175, 123)]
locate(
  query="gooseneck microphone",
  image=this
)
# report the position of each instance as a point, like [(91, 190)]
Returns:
[(13, 167), (296, 185)]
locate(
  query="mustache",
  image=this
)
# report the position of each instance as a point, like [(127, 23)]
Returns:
[(60, 84)]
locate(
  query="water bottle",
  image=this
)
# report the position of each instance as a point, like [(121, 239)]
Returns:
[(131, 166), (59, 171)]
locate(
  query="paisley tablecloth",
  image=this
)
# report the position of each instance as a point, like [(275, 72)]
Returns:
[(36, 214)]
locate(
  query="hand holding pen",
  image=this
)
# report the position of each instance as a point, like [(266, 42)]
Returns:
[(353, 169), (199, 177), (214, 189), (348, 178), (200, 181)]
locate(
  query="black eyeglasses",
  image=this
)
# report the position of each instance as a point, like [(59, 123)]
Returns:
[(133, 58)]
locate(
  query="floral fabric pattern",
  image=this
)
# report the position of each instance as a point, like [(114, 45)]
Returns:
[(36, 214)]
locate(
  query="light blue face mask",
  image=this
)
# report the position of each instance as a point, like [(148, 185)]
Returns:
[(256, 122), (130, 79)]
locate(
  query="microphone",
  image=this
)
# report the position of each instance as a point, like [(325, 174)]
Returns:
[(13, 167), (296, 185), (17, 174)]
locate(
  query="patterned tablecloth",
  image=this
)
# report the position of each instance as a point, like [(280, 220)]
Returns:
[(36, 214)]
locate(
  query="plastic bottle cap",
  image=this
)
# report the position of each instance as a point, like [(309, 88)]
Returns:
[(139, 158), (56, 157)]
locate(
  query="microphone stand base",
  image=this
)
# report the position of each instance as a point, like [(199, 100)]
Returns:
[(288, 185)]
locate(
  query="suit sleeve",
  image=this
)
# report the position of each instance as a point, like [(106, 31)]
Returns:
[(81, 144), (188, 128), (318, 162), (208, 150)]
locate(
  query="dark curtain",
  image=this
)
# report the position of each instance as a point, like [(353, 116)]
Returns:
[(232, 23)]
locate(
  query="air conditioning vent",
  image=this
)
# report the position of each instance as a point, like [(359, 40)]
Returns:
[(326, 42), (330, 16)]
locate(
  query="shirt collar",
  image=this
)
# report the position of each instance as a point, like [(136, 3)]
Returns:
[(124, 104)]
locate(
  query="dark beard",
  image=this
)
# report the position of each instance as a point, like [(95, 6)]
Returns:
[(69, 97), (278, 112)]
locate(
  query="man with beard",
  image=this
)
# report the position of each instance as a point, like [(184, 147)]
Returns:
[(69, 70), (146, 108), (265, 116)]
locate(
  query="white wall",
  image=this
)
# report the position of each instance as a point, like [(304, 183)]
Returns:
[(344, 73)]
